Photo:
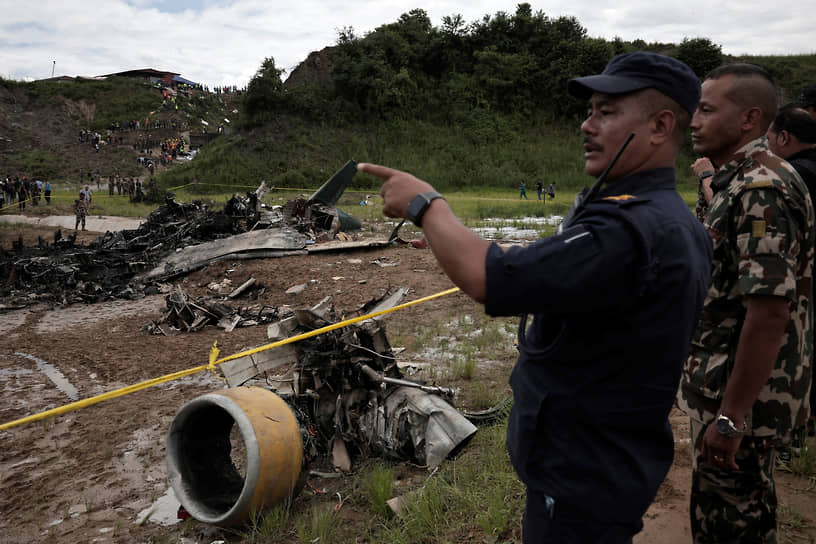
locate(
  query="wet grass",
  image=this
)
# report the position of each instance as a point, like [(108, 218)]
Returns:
[(378, 487), (318, 526), (475, 497), (267, 526)]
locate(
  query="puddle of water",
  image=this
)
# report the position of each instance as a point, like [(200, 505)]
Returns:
[(164, 511), (54, 375), (520, 228)]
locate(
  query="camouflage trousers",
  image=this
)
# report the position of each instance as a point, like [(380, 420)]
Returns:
[(733, 506)]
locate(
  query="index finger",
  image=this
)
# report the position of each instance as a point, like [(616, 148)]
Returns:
[(382, 172)]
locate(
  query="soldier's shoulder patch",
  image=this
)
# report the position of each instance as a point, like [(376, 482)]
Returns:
[(759, 184), (620, 198)]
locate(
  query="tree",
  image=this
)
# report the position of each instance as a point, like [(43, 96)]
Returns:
[(701, 54), (264, 93)]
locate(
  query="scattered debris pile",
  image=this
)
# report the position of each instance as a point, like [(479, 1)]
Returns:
[(348, 392), (187, 314), (175, 239), (67, 273)]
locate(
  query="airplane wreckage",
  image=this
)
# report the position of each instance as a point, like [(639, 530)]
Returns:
[(174, 240), (332, 398), (325, 400)]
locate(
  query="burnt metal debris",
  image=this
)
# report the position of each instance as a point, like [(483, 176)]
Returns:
[(188, 314), (348, 392), (175, 239)]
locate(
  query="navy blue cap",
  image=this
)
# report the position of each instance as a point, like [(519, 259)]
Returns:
[(641, 70)]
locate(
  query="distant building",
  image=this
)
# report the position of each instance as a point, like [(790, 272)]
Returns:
[(169, 79)]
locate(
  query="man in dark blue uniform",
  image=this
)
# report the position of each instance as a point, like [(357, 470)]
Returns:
[(623, 284)]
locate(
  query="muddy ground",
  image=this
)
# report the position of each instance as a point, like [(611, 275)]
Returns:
[(93, 475)]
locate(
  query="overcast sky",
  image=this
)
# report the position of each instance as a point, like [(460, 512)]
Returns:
[(223, 42)]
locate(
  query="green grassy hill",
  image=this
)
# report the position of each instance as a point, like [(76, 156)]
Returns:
[(466, 106)]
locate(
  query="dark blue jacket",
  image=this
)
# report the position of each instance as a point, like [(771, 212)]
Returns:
[(615, 298)]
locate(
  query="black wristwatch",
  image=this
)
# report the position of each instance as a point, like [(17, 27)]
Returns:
[(419, 205), (726, 426), (705, 174)]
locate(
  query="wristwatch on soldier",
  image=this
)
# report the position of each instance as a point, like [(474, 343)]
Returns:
[(726, 426), (419, 205)]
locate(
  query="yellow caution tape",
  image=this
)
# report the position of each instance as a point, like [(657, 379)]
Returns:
[(212, 361)]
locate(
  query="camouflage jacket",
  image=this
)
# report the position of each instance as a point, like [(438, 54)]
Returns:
[(80, 208), (761, 221)]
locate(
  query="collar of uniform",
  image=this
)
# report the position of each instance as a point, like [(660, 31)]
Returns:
[(640, 182), (742, 158)]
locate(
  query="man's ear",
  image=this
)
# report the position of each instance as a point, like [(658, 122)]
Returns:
[(783, 138), (751, 118), (662, 126)]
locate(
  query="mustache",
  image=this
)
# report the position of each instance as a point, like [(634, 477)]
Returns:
[(591, 145)]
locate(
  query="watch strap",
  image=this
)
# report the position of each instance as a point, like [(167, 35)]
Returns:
[(419, 205)]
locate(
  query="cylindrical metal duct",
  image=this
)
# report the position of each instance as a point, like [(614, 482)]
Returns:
[(205, 458)]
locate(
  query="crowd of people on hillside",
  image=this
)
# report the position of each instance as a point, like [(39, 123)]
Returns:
[(22, 191), (172, 147), (226, 89), (131, 125)]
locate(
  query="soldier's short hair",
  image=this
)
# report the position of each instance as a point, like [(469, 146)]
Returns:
[(753, 87)]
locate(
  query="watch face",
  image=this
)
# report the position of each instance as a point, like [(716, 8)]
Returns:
[(723, 427)]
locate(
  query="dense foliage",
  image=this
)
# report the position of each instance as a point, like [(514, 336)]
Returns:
[(516, 65), (479, 104)]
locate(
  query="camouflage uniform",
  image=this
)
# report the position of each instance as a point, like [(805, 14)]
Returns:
[(81, 210), (761, 221)]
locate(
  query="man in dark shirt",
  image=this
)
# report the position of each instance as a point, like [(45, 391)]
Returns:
[(623, 284), (792, 136)]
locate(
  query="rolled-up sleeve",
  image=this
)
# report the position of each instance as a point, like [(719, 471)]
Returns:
[(590, 265)]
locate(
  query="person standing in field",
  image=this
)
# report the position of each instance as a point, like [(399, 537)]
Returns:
[(80, 210), (615, 297), (746, 379), (523, 191)]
